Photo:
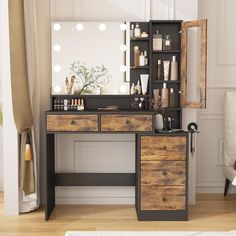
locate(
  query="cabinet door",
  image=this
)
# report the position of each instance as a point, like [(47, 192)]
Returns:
[(194, 64)]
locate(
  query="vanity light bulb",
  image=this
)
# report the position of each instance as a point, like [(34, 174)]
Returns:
[(123, 27), (57, 68), (102, 27), (57, 89), (123, 48), (123, 68), (79, 27), (57, 47), (57, 27)]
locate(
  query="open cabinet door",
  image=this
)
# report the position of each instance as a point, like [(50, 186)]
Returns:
[(197, 81)]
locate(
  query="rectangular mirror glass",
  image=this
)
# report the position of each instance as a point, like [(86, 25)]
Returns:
[(90, 58)]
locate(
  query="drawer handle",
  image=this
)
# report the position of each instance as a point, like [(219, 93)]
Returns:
[(167, 149), (127, 122), (72, 122), (164, 172), (164, 199)]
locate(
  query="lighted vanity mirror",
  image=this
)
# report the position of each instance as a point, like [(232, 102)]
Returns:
[(90, 58)]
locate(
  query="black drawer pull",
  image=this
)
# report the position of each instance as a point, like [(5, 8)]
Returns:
[(72, 122), (164, 172), (164, 199)]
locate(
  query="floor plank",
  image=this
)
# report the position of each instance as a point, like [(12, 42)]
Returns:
[(212, 212)]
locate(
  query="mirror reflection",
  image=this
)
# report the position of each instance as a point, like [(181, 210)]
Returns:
[(85, 62)]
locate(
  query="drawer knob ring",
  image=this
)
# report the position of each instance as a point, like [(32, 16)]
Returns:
[(72, 122)]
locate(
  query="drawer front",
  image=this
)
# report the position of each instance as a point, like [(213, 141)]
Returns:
[(154, 148), (126, 123), (72, 123), (163, 197), (163, 173)]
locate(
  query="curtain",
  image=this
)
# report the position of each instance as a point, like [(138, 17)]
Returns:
[(25, 97)]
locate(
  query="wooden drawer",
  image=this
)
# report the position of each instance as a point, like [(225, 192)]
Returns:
[(154, 148), (72, 122), (163, 172), (162, 197), (126, 123)]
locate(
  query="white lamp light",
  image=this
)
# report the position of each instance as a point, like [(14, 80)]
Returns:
[(57, 27), (57, 68), (57, 47), (102, 27), (79, 27), (123, 27), (57, 89), (123, 48), (123, 68)]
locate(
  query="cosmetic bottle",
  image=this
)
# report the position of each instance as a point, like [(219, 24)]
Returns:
[(173, 99), (174, 69), (141, 104), (136, 55), (78, 105), (132, 32), (146, 58), (137, 31), (65, 104), (166, 65), (157, 41), (159, 70), (167, 42), (138, 88), (132, 89), (164, 96), (82, 105), (141, 59), (55, 106)]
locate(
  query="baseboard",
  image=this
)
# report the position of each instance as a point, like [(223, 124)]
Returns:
[(215, 189)]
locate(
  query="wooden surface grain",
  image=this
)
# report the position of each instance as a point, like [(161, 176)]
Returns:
[(154, 148), (126, 123), (212, 212), (72, 122), (154, 197), (163, 173)]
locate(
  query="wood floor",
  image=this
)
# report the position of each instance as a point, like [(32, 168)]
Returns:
[(212, 212)]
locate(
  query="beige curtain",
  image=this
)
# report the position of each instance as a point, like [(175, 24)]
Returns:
[(22, 25)]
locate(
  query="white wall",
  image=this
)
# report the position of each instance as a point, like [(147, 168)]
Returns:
[(10, 141), (221, 76)]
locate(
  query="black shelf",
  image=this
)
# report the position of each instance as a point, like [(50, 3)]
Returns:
[(139, 67), (166, 52), (140, 39), (63, 96), (166, 81)]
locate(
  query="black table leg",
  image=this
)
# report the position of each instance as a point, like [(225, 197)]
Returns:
[(50, 176)]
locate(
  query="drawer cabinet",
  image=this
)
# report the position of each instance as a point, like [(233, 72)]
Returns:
[(161, 181), (127, 123), (75, 123)]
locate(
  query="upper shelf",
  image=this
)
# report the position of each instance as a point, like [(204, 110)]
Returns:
[(166, 51), (140, 39)]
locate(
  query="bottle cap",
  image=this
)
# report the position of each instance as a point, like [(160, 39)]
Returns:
[(132, 26), (159, 62), (164, 85), (137, 25), (156, 31), (136, 47), (167, 36), (172, 90), (142, 53), (173, 58)]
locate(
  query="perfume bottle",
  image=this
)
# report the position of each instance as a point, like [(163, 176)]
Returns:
[(136, 55), (146, 58), (132, 31), (137, 31), (174, 69), (159, 70), (157, 41), (167, 42), (165, 96), (141, 59), (173, 98)]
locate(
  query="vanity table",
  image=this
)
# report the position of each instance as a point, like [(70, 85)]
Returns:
[(161, 160)]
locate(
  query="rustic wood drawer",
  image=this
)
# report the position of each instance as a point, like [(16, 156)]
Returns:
[(72, 122), (163, 172), (126, 123), (154, 148), (163, 197)]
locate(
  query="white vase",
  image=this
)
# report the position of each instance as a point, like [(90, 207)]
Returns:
[(144, 83), (159, 123)]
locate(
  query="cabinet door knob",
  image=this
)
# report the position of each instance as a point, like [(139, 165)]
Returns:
[(164, 199), (164, 148), (72, 122), (127, 122), (164, 172)]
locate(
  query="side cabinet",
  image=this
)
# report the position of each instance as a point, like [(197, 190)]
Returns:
[(162, 176)]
